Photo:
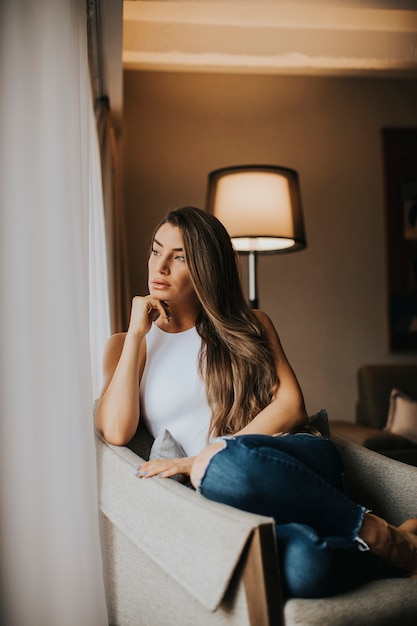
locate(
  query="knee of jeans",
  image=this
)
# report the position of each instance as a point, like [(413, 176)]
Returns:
[(202, 461), (225, 478)]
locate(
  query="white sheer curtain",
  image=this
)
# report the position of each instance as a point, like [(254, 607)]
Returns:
[(50, 551)]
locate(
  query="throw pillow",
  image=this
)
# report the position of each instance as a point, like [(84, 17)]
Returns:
[(166, 447), (402, 416), (320, 421)]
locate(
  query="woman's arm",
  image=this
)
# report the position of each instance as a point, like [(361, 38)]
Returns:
[(118, 410), (287, 411)]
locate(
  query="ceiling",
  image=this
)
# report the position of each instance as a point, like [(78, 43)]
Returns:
[(304, 37), (308, 37)]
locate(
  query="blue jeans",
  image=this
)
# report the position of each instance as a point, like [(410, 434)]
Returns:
[(297, 480)]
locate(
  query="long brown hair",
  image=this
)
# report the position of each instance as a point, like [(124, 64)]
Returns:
[(236, 361)]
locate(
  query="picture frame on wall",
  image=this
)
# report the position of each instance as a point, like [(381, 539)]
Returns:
[(400, 169)]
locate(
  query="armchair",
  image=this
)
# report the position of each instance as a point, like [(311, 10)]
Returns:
[(374, 385), (172, 557)]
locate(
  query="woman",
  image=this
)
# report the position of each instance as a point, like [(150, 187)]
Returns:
[(198, 362)]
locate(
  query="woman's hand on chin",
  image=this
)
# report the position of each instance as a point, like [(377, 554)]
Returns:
[(165, 468), (145, 310)]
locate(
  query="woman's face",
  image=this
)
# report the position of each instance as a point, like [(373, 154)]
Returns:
[(168, 275)]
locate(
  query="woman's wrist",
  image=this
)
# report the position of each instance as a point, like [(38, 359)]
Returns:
[(135, 334)]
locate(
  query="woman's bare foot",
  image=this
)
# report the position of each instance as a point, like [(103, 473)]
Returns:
[(409, 525), (395, 545)]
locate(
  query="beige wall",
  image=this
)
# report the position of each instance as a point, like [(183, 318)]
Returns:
[(328, 302)]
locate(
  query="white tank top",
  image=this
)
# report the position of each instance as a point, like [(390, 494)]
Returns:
[(172, 393)]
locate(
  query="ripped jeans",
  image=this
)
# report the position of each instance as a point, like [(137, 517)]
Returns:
[(298, 480)]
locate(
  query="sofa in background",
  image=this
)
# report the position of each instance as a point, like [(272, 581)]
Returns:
[(376, 403), (173, 558)]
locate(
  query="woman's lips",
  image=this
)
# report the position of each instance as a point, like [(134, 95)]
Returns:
[(159, 284)]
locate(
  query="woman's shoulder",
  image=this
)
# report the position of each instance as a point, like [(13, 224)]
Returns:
[(269, 328), (116, 340), (263, 318), (114, 347)]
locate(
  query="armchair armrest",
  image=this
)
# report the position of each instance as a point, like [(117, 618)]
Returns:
[(202, 545)]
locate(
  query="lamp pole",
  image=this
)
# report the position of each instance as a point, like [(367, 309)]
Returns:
[(253, 296)]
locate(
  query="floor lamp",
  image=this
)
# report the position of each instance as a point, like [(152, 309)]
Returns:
[(260, 207)]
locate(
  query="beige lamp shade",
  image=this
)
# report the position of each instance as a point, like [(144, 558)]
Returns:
[(260, 207)]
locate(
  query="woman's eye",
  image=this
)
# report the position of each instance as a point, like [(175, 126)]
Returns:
[(181, 258), (154, 252)]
